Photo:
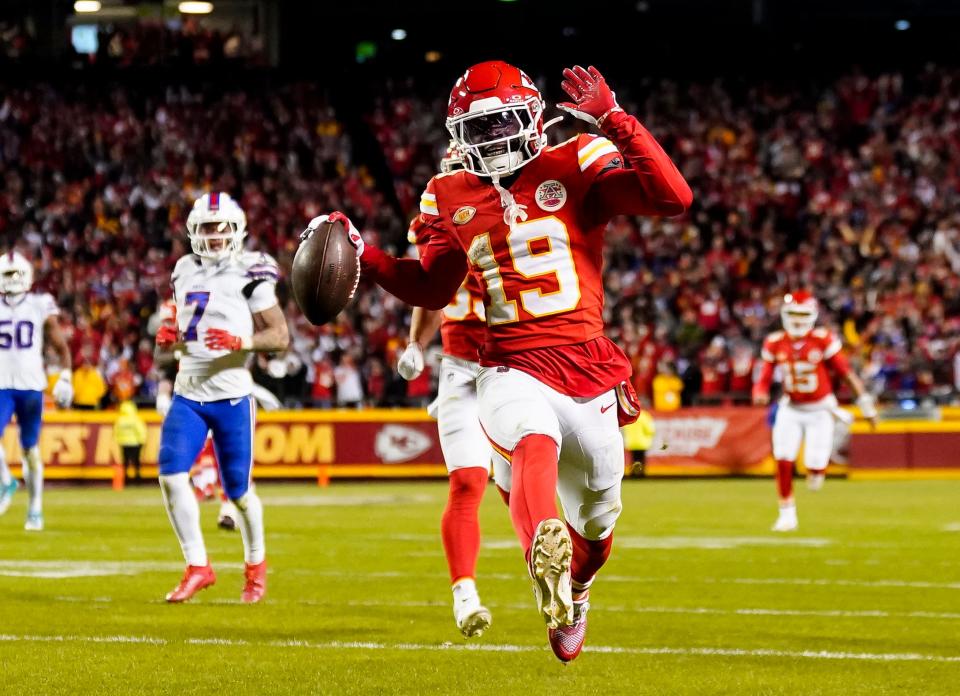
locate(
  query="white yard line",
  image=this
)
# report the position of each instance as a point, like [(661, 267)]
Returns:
[(493, 647)]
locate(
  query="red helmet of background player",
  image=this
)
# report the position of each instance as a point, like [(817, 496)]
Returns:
[(495, 117), (799, 313)]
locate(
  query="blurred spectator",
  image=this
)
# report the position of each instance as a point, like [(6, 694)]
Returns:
[(667, 387), (349, 385), (130, 434), (89, 387)]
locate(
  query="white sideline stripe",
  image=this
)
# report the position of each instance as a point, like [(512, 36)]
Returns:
[(426, 604), (952, 527), (492, 647)]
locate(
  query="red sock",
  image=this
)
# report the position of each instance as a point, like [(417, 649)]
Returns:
[(588, 557), (505, 495), (460, 525), (784, 478), (534, 487)]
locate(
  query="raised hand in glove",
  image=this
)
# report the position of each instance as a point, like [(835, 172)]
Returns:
[(593, 100)]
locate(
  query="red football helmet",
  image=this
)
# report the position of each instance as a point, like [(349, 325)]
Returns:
[(495, 117), (799, 313)]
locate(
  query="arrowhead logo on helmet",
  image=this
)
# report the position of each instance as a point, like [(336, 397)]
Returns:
[(495, 117), (799, 313)]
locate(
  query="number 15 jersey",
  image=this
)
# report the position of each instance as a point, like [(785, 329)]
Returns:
[(21, 341), (803, 363)]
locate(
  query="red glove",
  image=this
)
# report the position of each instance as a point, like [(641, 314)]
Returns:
[(336, 216), (592, 99), (218, 339), (166, 335)]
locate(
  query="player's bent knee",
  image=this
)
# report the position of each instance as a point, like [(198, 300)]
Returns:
[(597, 520)]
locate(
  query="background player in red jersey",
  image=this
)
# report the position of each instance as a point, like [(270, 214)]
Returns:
[(527, 220), (807, 411), (466, 451)]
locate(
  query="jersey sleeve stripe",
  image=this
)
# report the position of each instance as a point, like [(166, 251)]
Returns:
[(832, 349), (594, 143), (607, 149), (428, 207), (592, 147), (766, 355)]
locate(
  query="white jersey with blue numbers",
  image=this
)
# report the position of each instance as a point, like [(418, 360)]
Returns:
[(21, 340), (219, 295)]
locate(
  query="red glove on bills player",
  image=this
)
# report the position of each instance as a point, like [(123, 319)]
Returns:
[(167, 333), (593, 100), (218, 339)]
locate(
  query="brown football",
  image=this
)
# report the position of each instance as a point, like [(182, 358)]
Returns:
[(326, 272)]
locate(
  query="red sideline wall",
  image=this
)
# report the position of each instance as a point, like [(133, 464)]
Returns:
[(403, 443)]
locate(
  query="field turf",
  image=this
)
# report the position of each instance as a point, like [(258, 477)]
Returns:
[(698, 598)]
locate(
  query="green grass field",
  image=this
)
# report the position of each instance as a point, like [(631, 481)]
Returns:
[(698, 597)]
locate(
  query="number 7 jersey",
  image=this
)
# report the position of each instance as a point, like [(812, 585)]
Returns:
[(222, 295)]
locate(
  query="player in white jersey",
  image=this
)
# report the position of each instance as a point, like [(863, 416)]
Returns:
[(226, 307), (27, 320)]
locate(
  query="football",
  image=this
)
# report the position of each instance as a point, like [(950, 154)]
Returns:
[(325, 272)]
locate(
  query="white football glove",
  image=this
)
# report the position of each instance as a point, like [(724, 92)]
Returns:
[(63, 389), (164, 402), (867, 406), (352, 232), (410, 364)]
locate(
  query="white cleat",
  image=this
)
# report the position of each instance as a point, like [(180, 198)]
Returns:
[(787, 521), (815, 480), (34, 522), (550, 556), (472, 618)]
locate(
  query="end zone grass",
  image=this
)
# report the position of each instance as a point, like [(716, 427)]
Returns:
[(699, 597)]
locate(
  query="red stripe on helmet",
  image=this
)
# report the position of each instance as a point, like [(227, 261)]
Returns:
[(214, 201)]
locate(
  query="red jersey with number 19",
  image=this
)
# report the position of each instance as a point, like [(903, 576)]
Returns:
[(541, 276), (535, 246)]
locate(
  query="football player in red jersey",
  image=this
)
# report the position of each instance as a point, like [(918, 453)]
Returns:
[(808, 408), (527, 221), (466, 451)]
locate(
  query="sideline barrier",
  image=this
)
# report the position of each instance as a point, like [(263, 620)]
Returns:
[(390, 443)]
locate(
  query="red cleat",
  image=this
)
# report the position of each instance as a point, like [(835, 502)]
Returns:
[(255, 586), (194, 579), (567, 641)]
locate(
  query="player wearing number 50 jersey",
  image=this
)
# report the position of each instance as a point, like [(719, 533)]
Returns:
[(226, 306), (806, 356), (527, 221), (27, 320)]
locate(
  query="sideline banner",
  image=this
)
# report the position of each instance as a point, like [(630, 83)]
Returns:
[(287, 444), (709, 441), (385, 443)]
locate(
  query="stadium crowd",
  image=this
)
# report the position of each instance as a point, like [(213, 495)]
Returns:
[(849, 188)]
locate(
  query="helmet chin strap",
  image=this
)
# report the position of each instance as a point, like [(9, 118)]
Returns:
[(512, 211)]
